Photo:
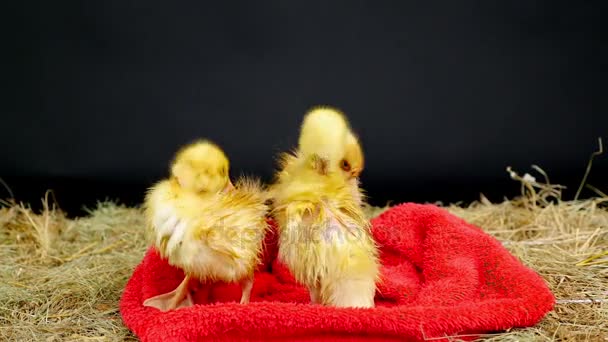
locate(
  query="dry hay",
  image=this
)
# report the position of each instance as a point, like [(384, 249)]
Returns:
[(62, 279)]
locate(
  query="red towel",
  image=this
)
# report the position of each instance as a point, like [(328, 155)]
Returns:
[(441, 277)]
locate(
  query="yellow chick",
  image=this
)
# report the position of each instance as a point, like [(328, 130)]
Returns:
[(201, 223), (324, 237)]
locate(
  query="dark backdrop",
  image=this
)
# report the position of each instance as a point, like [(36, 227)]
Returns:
[(445, 94)]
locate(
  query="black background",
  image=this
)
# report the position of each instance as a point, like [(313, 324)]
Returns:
[(445, 94)]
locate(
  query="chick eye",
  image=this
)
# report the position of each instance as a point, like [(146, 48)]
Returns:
[(345, 165)]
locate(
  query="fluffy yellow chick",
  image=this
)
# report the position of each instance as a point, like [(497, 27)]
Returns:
[(324, 237), (201, 223)]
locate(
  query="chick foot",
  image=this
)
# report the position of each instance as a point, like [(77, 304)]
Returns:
[(178, 298), (246, 286), (315, 295)]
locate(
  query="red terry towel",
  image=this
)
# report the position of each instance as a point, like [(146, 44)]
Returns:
[(441, 276)]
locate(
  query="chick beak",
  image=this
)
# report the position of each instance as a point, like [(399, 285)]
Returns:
[(229, 187)]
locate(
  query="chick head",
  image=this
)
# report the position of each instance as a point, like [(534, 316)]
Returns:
[(326, 133), (201, 167)]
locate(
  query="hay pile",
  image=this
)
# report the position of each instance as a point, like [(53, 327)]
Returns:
[(62, 279)]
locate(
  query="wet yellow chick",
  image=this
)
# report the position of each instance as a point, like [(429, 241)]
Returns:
[(324, 237), (202, 224)]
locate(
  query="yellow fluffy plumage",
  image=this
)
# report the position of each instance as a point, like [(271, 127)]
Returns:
[(324, 236), (202, 224)]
